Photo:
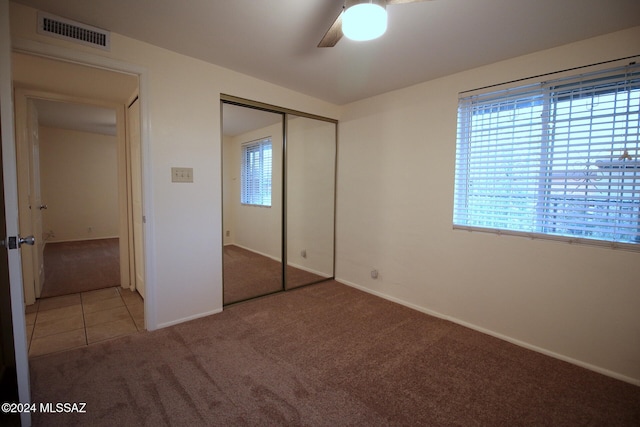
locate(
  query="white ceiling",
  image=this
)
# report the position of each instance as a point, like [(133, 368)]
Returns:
[(237, 120), (80, 117), (276, 40)]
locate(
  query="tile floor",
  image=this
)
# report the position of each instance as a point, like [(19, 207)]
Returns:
[(70, 321)]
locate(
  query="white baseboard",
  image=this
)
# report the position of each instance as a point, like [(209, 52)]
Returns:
[(188, 318), (308, 270), (515, 341)]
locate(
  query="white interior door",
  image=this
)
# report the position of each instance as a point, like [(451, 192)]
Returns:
[(8, 377), (133, 129), (10, 207), (29, 199), (36, 196)]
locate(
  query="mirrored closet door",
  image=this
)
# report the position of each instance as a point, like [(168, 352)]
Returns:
[(278, 177), (252, 153), (310, 200)]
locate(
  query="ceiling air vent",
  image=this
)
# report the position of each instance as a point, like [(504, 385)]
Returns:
[(55, 26)]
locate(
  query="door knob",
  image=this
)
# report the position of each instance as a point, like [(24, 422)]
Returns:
[(43, 207), (29, 240)]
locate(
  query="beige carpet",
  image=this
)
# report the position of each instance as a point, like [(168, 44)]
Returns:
[(87, 265), (324, 355)]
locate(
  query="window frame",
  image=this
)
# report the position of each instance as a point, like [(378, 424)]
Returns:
[(256, 194), (545, 93)]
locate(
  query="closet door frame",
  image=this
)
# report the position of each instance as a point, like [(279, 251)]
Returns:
[(243, 102)]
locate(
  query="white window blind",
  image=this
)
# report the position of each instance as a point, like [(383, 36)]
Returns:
[(556, 159), (257, 162)]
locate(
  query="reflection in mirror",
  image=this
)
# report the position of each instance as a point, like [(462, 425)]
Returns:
[(310, 175), (252, 202), (77, 227)]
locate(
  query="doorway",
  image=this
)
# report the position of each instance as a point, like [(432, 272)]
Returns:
[(78, 180), (80, 288)]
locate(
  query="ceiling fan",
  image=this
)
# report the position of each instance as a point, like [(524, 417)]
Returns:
[(376, 22)]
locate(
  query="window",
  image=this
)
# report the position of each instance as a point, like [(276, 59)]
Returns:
[(556, 159), (256, 173)]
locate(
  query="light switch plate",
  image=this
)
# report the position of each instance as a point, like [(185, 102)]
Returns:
[(181, 174)]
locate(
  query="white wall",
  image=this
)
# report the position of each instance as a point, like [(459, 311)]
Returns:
[(79, 183), (395, 201), (184, 221)]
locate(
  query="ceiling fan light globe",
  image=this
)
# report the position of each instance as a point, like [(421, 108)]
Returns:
[(365, 21)]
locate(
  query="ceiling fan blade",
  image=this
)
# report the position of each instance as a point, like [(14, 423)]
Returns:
[(333, 34)]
